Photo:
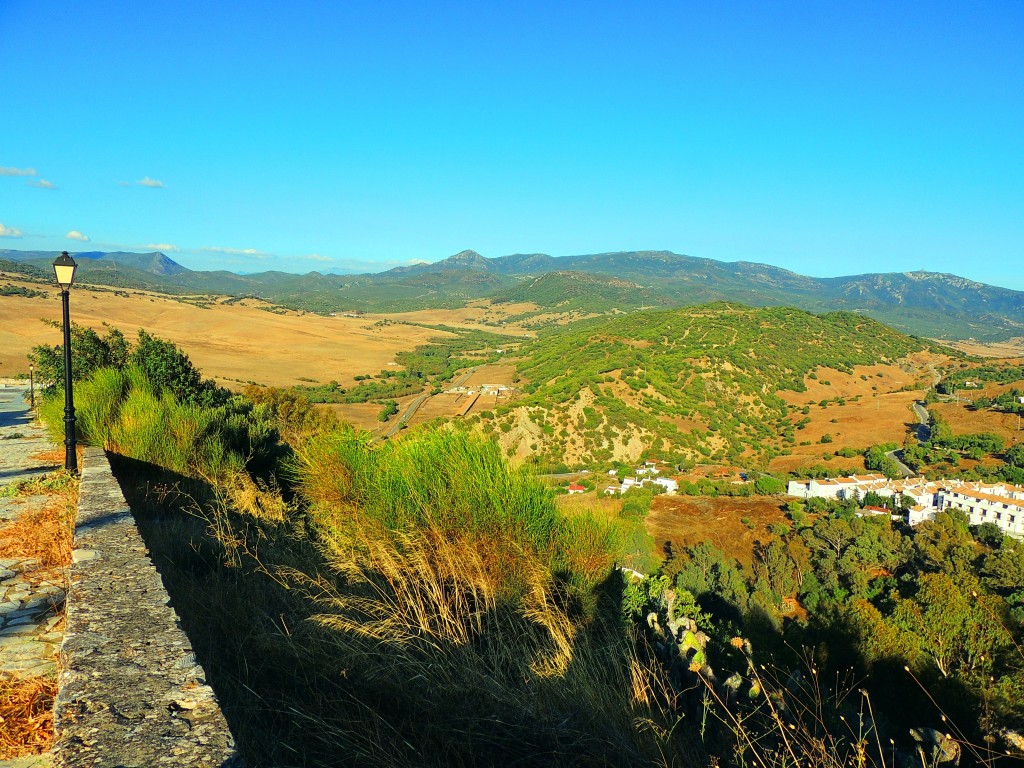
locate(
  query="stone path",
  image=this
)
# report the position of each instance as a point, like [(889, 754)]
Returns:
[(31, 597)]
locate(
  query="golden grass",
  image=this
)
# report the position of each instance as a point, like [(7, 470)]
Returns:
[(239, 342), (45, 533), (26, 715)]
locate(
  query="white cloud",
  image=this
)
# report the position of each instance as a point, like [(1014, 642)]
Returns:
[(74, 234), (151, 183), (17, 171), (414, 262), (236, 251), (42, 184), (162, 247), (317, 257), (9, 231)]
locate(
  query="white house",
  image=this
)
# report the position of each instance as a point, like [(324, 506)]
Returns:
[(670, 485), (1005, 512)]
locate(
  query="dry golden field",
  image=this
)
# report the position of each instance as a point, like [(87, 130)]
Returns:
[(963, 419), (687, 520), (229, 342), (881, 414), (1011, 348)]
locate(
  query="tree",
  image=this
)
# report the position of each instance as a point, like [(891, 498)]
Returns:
[(89, 351), (945, 543), (774, 570), (389, 409), (959, 631), (766, 485), (168, 367), (1003, 569), (1015, 455), (990, 534)]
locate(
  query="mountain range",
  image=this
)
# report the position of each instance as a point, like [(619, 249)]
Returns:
[(923, 303)]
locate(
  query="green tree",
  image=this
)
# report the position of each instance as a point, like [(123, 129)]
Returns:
[(389, 409), (89, 352), (1015, 455), (766, 485), (945, 543), (957, 630), (169, 368), (1003, 569)]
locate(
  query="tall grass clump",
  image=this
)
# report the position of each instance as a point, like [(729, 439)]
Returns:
[(451, 484), (127, 413), (475, 624)]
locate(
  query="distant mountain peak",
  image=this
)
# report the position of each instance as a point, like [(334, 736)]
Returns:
[(468, 258)]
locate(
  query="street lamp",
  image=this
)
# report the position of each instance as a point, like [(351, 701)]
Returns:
[(64, 268), (32, 386)]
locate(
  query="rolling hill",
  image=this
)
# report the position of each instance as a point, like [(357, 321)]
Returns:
[(688, 384), (921, 303)]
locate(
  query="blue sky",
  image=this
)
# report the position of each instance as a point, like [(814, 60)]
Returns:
[(828, 138)]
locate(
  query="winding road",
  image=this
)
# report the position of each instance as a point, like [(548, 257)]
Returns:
[(923, 430)]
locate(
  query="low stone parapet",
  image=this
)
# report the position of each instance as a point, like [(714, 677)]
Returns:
[(131, 692)]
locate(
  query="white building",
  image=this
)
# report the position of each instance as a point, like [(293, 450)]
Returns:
[(1005, 511), (997, 503), (670, 485)]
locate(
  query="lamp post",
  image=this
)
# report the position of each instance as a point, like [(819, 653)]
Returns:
[(32, 386), (64, 268)]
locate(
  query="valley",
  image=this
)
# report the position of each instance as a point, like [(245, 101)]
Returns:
[(552, 407)]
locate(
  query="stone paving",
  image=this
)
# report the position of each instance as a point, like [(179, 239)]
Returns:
[(31, 596)]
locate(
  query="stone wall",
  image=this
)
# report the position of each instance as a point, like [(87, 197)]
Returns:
[(131, 691)]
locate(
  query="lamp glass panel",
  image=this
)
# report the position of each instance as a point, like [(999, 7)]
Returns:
[(65, 274)]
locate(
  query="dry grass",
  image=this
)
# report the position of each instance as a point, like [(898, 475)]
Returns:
[(963, 419), (599, 506), (688, 520), (237, 342), (1010, 348), (26, 715), (43, 532), (56, 455)]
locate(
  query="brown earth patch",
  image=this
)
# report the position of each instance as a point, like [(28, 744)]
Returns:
[(497, 374), (688, 520), (858, 424), (964, 419), (444, 406), (361, 415)]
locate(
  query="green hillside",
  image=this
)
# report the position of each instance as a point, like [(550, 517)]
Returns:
[(922, 303), (579, 292), (687, 383)]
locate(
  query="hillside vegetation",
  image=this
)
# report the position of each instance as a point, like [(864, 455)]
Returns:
[(574, 294), (684, 384)]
